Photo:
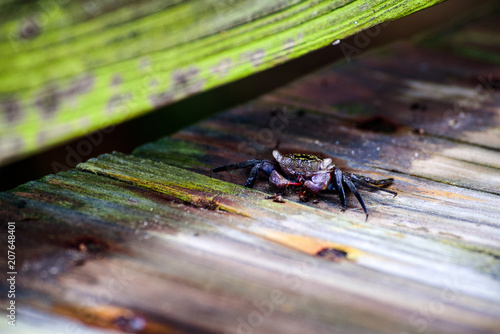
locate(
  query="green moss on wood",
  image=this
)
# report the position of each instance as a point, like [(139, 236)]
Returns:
[(72, 68)]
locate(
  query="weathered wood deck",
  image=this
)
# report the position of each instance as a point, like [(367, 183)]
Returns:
[(149, 243)]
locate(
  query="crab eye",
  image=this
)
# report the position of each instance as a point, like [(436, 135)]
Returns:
[(277, 155), (325, 163)]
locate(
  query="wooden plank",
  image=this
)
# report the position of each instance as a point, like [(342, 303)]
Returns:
[(172, 248), (96, 64), (149, 242)]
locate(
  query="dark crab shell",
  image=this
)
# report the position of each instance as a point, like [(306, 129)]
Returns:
[(294, 165)]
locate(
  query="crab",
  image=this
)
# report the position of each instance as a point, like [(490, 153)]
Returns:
[(312, 173)]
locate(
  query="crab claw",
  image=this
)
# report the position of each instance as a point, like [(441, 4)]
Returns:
[(280, 182), (318, 182)]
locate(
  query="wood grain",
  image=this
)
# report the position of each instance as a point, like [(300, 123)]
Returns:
[(149, 242), (70, 68)]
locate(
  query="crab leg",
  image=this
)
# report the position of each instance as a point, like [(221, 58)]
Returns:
[(257, 165), (340, 187), (239, 165), (352, 187), (369, 183), (383, 182), (265, 166)]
